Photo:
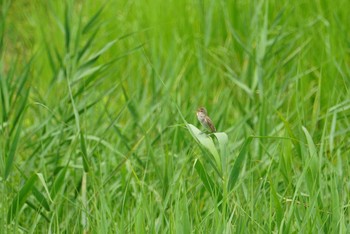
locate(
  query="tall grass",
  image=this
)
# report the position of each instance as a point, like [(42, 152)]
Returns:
[(98, 102)]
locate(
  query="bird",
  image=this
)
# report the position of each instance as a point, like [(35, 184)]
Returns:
[(203, 118)]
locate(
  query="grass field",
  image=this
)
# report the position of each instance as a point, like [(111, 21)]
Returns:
[(98, 125)]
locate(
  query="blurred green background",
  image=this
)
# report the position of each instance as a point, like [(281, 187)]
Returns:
[(96, 95)]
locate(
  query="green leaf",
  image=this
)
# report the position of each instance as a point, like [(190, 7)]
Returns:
[(86, 71), (131, 107), (314, 160), (95, 56), (205, 141), (80, 111), (57, 184), (310, 143), (5, 100), (90, 24), (42, 180), (223, 140), (20, 198), (275, 202), (41, 199), (206, 179), (238, 164), (12, 151), (87, 45), (21, 109), (290, 133), (84, 152), (67, 20), (312, 152)]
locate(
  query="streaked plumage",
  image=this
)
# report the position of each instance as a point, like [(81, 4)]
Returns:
[(202, 116)]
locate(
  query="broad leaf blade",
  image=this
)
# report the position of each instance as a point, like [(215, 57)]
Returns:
[(205, 141), (223, 140)]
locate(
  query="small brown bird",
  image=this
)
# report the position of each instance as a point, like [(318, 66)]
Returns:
[(202, 116)]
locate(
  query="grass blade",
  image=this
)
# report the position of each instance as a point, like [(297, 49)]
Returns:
[(131, 106), (67, 29), (58, 183), (11, 154), (90, 24), (238, 164), (20, 198), (84, 152), (5, 102), (208, 183), (41, 199)]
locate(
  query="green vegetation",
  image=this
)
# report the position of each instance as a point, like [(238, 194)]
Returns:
[(98, 102)]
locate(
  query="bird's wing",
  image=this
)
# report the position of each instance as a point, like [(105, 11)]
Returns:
[(210, 124)]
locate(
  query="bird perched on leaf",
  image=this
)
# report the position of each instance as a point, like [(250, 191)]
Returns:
[(202, 116)]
